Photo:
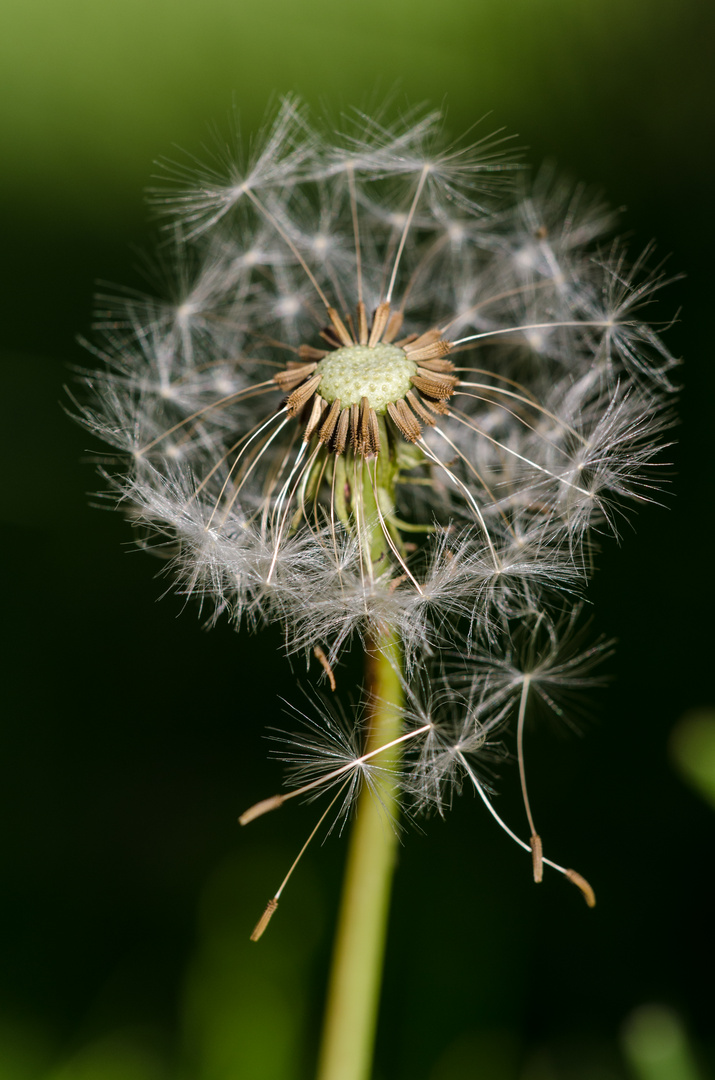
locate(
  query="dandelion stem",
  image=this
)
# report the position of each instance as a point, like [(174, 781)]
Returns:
[(353, 993)]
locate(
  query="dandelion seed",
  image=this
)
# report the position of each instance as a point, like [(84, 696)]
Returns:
[(262, 924)]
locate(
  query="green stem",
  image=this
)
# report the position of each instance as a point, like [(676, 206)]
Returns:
[(354, 990)]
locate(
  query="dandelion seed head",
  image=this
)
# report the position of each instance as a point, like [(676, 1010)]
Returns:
[(395, 382)]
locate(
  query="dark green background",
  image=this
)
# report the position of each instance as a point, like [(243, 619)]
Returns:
[(131, 739)]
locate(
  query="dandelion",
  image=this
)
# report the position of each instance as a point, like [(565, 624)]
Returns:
[(391, 395)]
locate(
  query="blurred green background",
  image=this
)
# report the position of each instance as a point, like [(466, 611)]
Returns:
[(131, 739)]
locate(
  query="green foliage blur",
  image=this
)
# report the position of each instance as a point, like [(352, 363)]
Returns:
[(131, 739)]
